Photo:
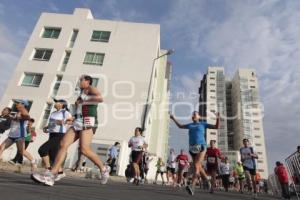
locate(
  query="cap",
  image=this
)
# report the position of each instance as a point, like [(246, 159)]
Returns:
[(22, 101), (62, 101)]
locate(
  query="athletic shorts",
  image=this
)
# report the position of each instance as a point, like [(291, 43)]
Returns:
[(251, 171), (16, 139), (212, 168), (136, 156), (197, 149), (79, 125), (172, 170), (159, 172)]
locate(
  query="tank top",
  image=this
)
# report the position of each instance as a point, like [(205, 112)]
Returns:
[(87, 112)]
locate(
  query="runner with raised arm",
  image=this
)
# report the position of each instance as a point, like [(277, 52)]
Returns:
[(197, 145)]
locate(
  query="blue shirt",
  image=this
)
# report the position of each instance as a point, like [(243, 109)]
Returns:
[(197, 132), (113, 152)]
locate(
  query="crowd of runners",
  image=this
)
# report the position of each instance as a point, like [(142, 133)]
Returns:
[(208, 168)]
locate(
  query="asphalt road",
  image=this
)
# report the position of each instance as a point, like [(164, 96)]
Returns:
[(20, 187)]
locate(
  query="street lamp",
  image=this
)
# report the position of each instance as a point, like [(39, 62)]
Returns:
[(169, 52)]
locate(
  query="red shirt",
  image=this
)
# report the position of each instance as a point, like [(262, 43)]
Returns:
[(182, 160), (282, 174), (212, 155)]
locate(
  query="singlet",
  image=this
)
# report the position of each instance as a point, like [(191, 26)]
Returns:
[(86, 113), (18, 129)]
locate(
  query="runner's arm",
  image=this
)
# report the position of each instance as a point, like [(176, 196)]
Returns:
[(177, 123), (95, 96), (24, 115), (215, 126)]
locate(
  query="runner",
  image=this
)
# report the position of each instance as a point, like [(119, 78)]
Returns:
[(31, 135), (225, 173), (57, 127), (197, 145), (239, 169), (113, 154), (18, 132), (5, 120), (171, 167), (160, 170), (283, 178), (248, 157), (146, 166), (182, 160), (137, 144), (212, 156), (83, 128)]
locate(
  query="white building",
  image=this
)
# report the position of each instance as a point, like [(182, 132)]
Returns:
[(122, 57), (215, 101), (238, 101)]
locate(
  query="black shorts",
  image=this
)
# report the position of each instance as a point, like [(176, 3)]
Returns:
[(172, 170), (160, 172), (251, 171), (136, 156)]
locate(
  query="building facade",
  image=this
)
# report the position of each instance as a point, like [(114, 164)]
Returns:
[(237, 101), (122, 59)]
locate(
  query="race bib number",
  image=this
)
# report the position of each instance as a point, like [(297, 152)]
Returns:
[(211, 160), (182, 162), (52, 124), (195, 149), (89, 121)]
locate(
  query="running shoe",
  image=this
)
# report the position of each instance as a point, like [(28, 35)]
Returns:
[(12, 162), (105, 176), (47, 178), (60, 176), (190, 190), (255, 196)]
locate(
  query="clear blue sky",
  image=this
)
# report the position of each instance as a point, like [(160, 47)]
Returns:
[(263, 35)]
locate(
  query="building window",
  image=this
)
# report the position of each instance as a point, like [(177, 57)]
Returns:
[(258, 145), (51, 33), (42, 54), (257, 136), (213, 90), (260, 161), (95, 82), (32, 79), (257, 129), (252, 87), (212, 72), (259, 153), (100, 36), (73, 38), (46, 115), (56, 85), (261, 170), (212, 78), (14, 109), (213, 133), (93, 58), (65, 61)]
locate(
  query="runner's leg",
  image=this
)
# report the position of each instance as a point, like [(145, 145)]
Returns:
[(86, 137), (6, 144), (69, 138)]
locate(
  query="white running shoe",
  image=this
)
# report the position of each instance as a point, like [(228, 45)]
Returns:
[(60, 176), (255, 196), (47, 178), (105, 175), (12, 162)]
